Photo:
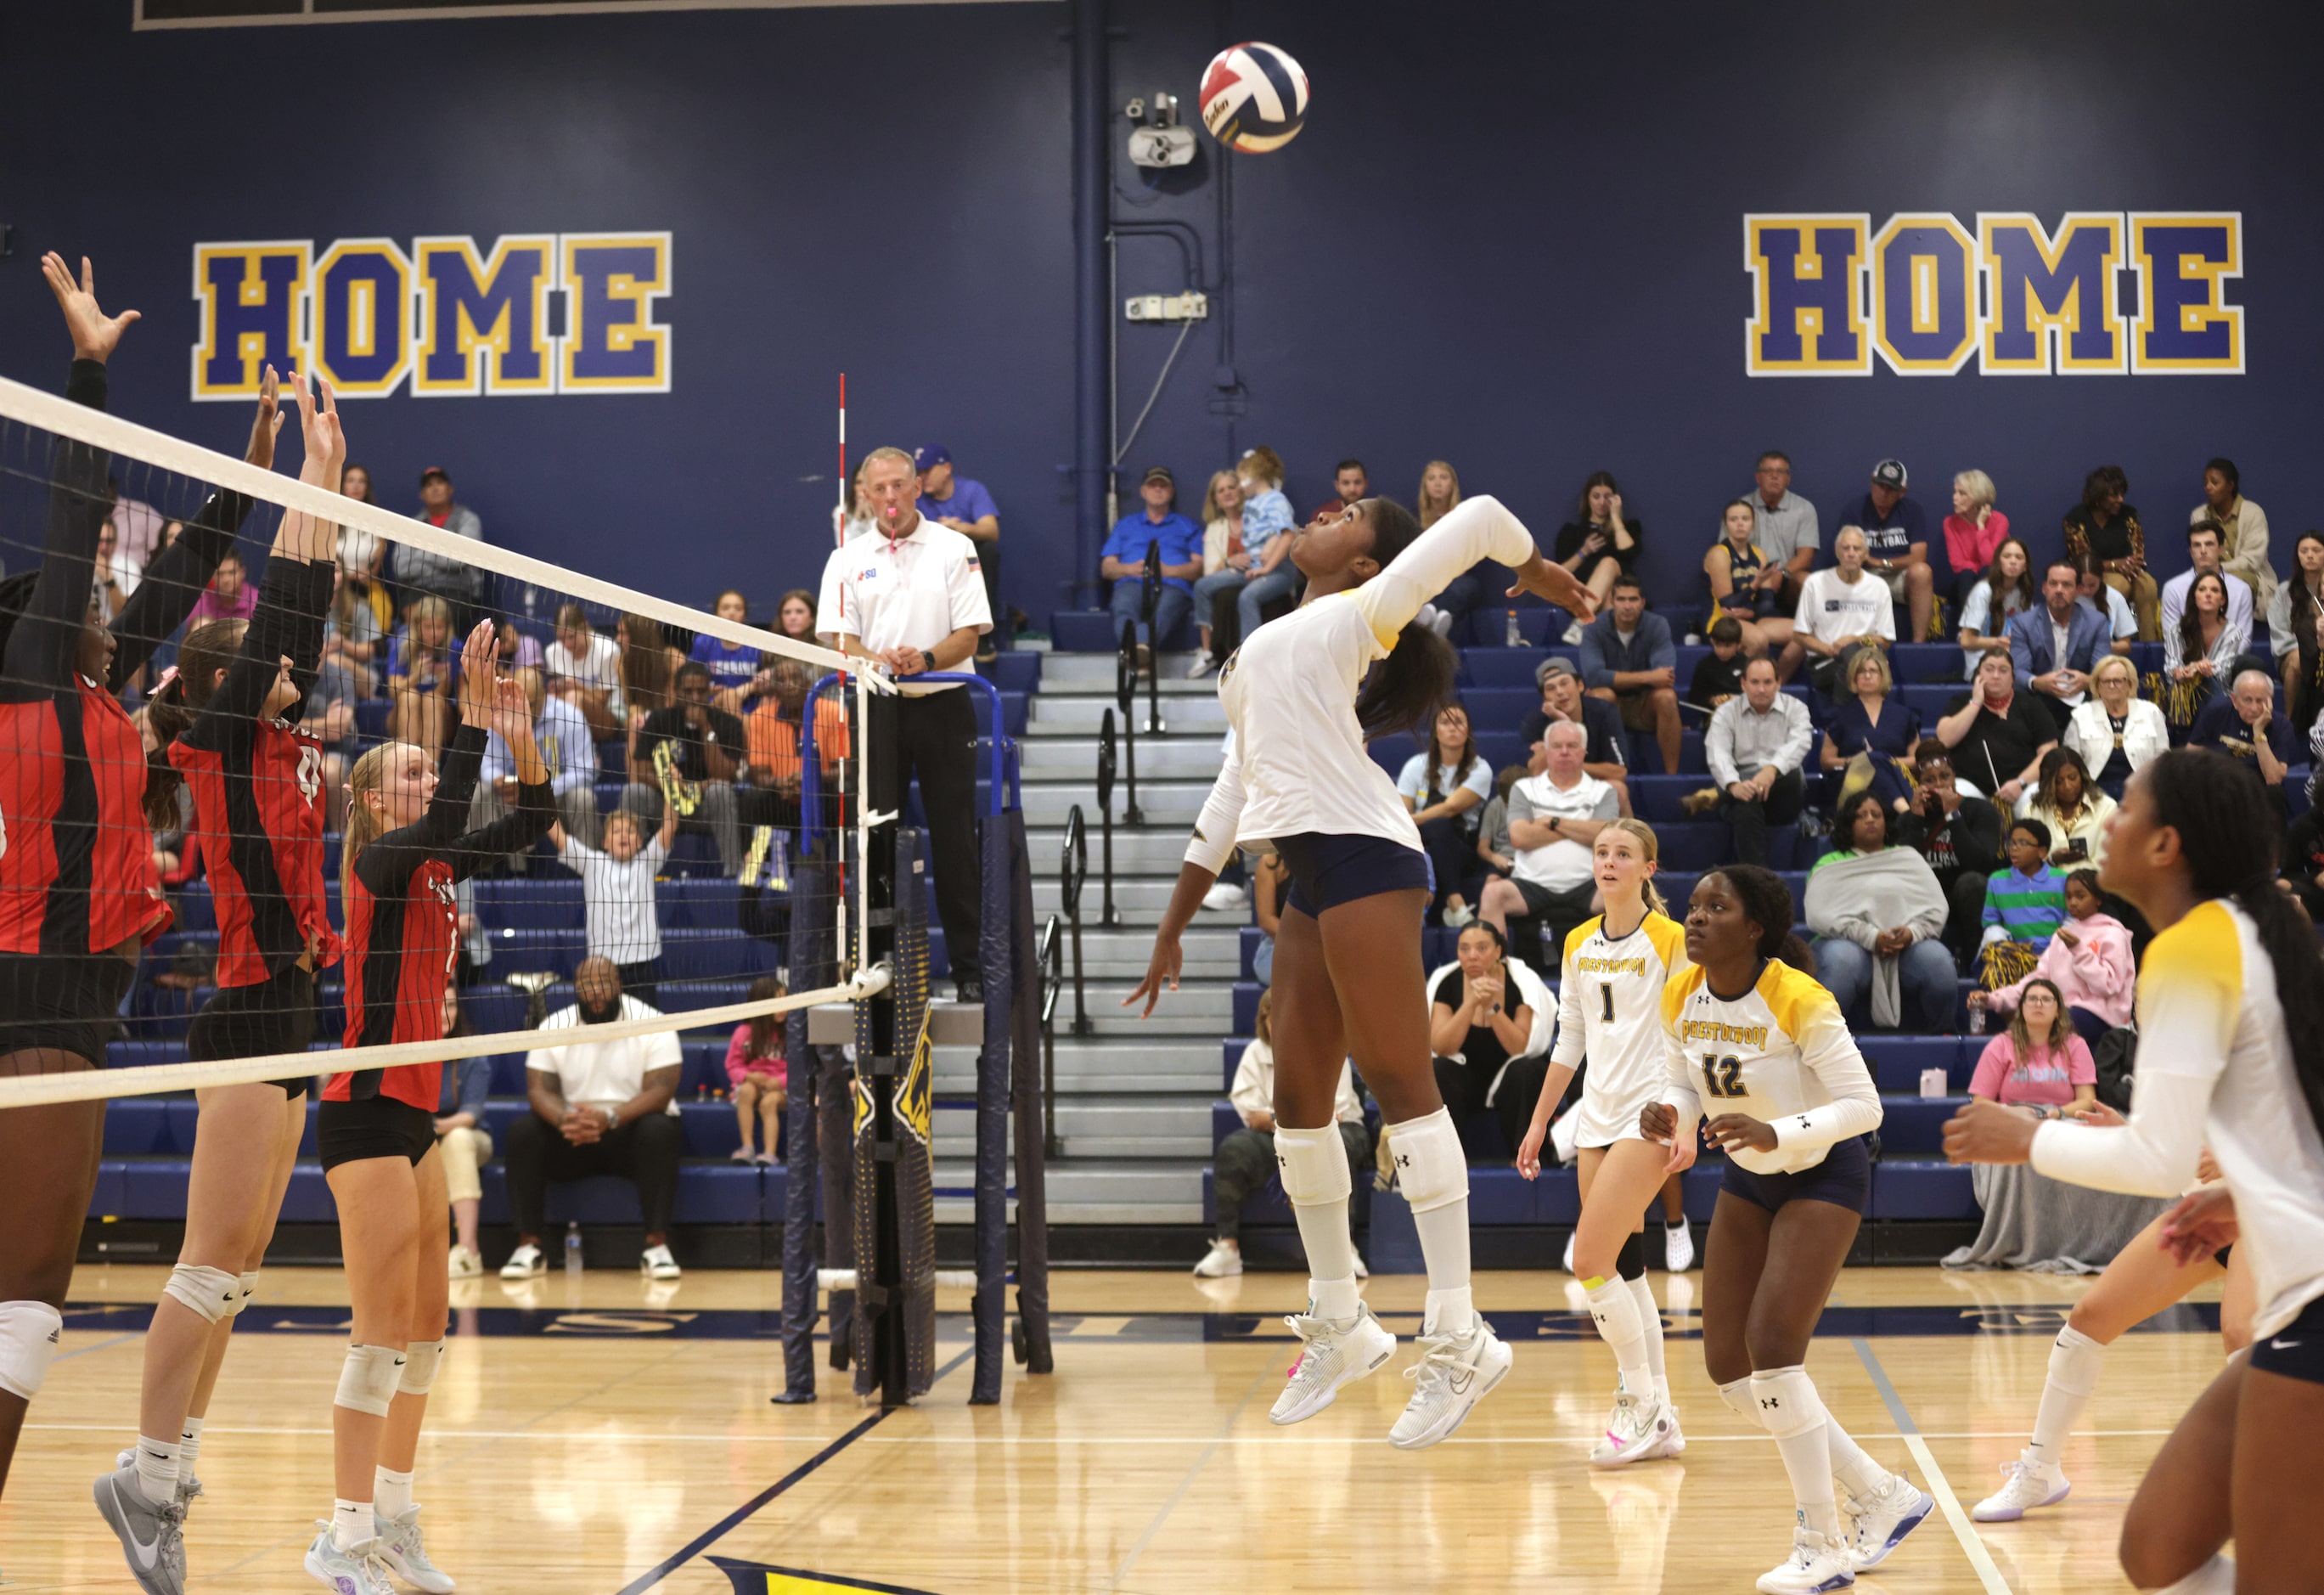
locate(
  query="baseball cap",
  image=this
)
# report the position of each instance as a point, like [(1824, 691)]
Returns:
[(434, 471), (1158, 473), (1555, 665), (932, 454), (1889, 474)]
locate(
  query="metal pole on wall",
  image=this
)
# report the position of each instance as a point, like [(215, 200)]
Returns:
[(1091, 313)]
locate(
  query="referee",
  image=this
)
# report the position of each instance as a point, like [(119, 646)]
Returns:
[(910, 593)]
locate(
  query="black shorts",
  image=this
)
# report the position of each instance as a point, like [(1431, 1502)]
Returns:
[(1844, 1179), (63, 1003), (1328, 869), (372, 1127), (2296, 1351), (256, 1021)]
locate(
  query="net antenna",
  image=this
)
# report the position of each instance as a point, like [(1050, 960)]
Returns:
[(839, 521)]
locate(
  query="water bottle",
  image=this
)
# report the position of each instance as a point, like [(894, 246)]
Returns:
[(1513, 637), (1977, 1019), (573, 1253)]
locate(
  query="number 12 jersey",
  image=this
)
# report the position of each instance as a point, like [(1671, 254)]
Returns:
[(1779, 1053)]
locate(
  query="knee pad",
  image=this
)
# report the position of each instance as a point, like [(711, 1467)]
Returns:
[(420, 1360), (249, 1286), (213, 1292), (1630, 1262), (368, 1381), (1314, 1165), (1787, 1401), (1431, 1169), (28, 1344), (1736, 1394), (2074, 1361)]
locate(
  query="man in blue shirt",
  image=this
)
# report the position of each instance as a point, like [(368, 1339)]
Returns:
[(962, 503), (1896, 544), (1627, 658), (1124, 561), (2244, 725)]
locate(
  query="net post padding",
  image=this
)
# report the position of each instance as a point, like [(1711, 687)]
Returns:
[(895, 1177), (996, 954), (1025, 1096), (816, 1095)]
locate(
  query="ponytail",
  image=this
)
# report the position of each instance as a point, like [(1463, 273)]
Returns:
[(1650, 847), (178, 702), (1405, 689), (364, 822)]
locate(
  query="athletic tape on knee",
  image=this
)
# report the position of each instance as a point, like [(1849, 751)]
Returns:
[(1787, 1400), (1431, 1169), (28, 1344), (420, 1359), (213, 1292), (1630, 1262), (368, 1381), (1313, 1164), (249, 1283)]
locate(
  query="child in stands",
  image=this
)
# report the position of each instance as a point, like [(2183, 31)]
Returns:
[(761, 1072), (618, 887)]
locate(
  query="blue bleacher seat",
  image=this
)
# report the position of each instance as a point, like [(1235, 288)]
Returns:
[(1018, 670), (370, 718), (1896, 1061), (1914, 1126), (1911, 1188)]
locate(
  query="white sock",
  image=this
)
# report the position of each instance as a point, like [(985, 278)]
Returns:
[(1650, 1323), (1858, 1473), (1331, 1258), (1451, 1308), (391, 1493), (2214, 1577), (190, 1445), (1616, 1311), (351, 1525), (2074, 1363), (157, 1469), (1795, 1416)]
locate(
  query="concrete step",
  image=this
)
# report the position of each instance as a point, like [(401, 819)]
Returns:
[(1135, 1128), (1052, 715), (1166, 804), (1094, 673), (1164, 1192), (1214, 954), (1059, 757), (1113, 1066), (1139, 899), (1145, 849)]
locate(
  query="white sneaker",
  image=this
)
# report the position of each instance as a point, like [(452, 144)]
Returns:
[(402, 1549), (1678, 1247), (1437, 621), (656, 1263), (1882, 1522), (152, 1538), (355, 1571), (1640, 1429), (1815, 1565), (1452, 1375), (465, 1264), (1573, 638), (1457, 918), (1568, 1264), (1331, 1355), (525, 1263), (1202, 665), (1222, 1261), (2030, 1485), (1225, 897)]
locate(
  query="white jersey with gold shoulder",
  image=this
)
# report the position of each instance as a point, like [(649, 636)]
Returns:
[(1610, 1010), (1779, 1053)]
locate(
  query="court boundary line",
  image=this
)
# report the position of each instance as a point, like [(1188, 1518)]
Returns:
[(1980, 1559), (1185, 1484)]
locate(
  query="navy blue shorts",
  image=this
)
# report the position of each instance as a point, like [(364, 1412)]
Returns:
[(1844, 1179), (1329, 869), (2295, 1351)]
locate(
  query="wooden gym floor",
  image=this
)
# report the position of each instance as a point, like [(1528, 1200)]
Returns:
[(615, 1438)]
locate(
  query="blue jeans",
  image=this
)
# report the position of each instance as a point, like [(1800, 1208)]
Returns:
[(1472, 589), (1925, 972), (1169, 608), (1262, 590)]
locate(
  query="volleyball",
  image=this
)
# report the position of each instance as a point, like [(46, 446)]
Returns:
[(1254, 97)]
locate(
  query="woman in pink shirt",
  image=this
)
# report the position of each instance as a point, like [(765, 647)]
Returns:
[(2038, 1063), (1973, 532), (2089, 962), (760, 1072)]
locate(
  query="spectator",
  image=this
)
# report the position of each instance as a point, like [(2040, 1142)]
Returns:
[(230, 596), (733, 667), (1959, 835), (2244, 725), (2203, 646), (1445, 787), (116, 576), (690, 755), (794, 615), (1245, 1161), (1222, 552), (2040, 1062), (649, 667), (2088, 965), (1123, 563), (1488, 1014), (2100, 599), (585, 670), (1598, 544), (775, 773), (598, 1107), (422, 674), (1271, 880), (2303, 861), (962, 503), (2107, 528), (2116, 732), (1872, 739), (143, 530), (1896, 544), (1745, 584), (2295, 628), (565, 747), (2242, 529), (352, 641), (1439, 492), (1995, 733), (1493, 843), (1553, 817), (617, 894), (1754, 747), (1974, 532), (758, 1067), (1878, 916), (1719, 673), (462, 1142), (2054, 649), (2008, 591), (2203, 543), (515, 648), (2070, 805), (1840, 611), (362, 553), (420, 571), (1787, 531), (1350, 485), (1266, 518), (1628, 659), (1562, 698), (2025, 904)]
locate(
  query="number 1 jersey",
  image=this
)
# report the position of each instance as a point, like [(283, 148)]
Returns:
[(1779, 1053), (1609, 1002)]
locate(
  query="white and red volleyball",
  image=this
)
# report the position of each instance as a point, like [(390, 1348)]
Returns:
[(1254, 97)]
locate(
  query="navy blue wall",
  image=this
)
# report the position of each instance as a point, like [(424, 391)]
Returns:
[(1510, 236)]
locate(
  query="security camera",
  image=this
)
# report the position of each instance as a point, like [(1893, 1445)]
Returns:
[(1162, 146)]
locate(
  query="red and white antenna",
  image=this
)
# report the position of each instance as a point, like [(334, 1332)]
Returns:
[(839, 530)]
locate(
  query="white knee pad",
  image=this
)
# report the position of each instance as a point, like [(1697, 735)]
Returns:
[(28, 1344), (213, 1292), (1736, 1394), (1787, 1400), (1313, 1164), (1431, 1169), (421, 1359), (249, 1283), (367, 1383)]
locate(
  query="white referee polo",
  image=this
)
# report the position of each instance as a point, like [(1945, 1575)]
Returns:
[(910, 592)]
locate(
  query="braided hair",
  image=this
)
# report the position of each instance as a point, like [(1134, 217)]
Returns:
[(1768, 904)]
